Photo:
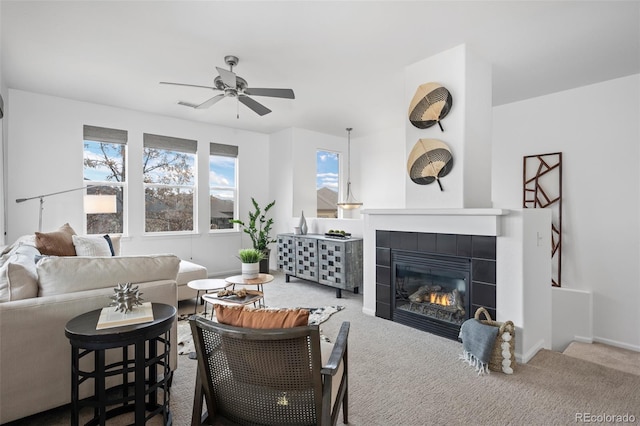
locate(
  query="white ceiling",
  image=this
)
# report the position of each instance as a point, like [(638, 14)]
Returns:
[(344, 60)]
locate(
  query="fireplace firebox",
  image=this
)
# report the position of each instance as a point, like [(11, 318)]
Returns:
[(430, 291), (434, 282)]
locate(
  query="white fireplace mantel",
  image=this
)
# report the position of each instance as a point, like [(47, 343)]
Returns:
[(437, 212), (449, 220)]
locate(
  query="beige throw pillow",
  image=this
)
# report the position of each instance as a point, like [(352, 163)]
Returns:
[(57, 243)]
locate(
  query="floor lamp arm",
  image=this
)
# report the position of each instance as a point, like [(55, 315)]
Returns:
[(42, 197)]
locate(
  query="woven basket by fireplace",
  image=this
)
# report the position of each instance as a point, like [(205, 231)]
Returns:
[(503, 357)]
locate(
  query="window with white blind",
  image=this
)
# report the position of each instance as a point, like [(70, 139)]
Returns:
[(223, 192), (104, 158), (169, 175)]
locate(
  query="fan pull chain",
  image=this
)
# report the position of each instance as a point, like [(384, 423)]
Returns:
[(237, 108)]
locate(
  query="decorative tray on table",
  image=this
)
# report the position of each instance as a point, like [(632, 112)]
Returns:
[(341, 235), (241, 296)]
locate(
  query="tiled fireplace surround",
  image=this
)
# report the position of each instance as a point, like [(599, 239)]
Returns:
[(520, 238), (474, 253)]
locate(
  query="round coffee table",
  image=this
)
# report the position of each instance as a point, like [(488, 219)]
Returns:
[(206, 285), (252, 297), (258, 282)]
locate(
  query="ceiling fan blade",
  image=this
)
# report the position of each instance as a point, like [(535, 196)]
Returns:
[(208, 103), (189, 104), (189, 85), (274, 93), (257, 107), (228, 77)]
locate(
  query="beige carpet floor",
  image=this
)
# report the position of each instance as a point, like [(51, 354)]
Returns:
[(610, 356), (401, 376)]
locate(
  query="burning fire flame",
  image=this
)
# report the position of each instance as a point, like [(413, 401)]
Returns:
[(443, 299)]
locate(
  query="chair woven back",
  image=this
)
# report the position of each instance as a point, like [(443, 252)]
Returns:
[(261, 377)]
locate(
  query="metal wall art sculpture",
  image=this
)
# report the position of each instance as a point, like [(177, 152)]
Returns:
[(542, 188), (429, 105), (429, 160)]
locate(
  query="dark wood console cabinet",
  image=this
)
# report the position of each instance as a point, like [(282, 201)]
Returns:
[(330, 261)]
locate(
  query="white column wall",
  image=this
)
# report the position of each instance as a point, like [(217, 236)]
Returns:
[(45, 154), (467, 130), (383, 169), (596, 128), (448, 69)]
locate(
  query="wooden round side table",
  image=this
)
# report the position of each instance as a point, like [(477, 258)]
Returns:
[(141, 395), (259, 282), (205, 285)]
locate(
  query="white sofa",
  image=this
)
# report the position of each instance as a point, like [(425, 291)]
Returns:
[(189, 271), (37, 302)]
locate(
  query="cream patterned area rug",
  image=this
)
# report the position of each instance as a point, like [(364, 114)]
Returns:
[(185, 343)]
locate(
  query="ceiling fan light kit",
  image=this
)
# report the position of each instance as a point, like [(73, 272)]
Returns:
[(234, 86)]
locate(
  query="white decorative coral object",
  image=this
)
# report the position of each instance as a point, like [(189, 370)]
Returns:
[(126, 297)]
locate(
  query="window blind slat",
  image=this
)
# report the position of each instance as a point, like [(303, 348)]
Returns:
[(170, 143), (223, 150), (103, 134)]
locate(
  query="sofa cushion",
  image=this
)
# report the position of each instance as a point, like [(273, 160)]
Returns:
[(58, 275), (24, 239), (190, 271), (18, 275), (263, 318), (91, 246), (57, 243)]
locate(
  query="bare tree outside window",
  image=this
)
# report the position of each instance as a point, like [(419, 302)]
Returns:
[(104, 170), (169, 190)]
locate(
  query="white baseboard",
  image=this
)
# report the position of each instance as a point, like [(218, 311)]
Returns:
[(523, 359), (370, 312), (617, 344), (582, 339)]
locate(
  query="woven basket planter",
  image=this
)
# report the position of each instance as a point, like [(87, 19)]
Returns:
[(503, 355)]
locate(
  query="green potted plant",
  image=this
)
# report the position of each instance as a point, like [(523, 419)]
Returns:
[(250, 259), (258, 228)]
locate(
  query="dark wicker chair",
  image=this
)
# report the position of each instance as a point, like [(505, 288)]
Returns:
[(268, 377)]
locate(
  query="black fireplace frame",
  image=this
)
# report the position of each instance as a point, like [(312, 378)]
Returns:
[(428, 261), (478, 250)]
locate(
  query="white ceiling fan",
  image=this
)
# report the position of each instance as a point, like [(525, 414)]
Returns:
[(234, 86)]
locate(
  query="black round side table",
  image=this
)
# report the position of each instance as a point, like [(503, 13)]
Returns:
[(141, 395)]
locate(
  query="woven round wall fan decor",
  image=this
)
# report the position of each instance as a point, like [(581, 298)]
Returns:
[(429, 105), (429, 160)]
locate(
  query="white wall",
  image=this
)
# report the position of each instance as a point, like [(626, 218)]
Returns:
[(523, 274), (3, 138), (282, 182), (572, 315), (596, 128), (45, 154), (293, 161), (382, 169)]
